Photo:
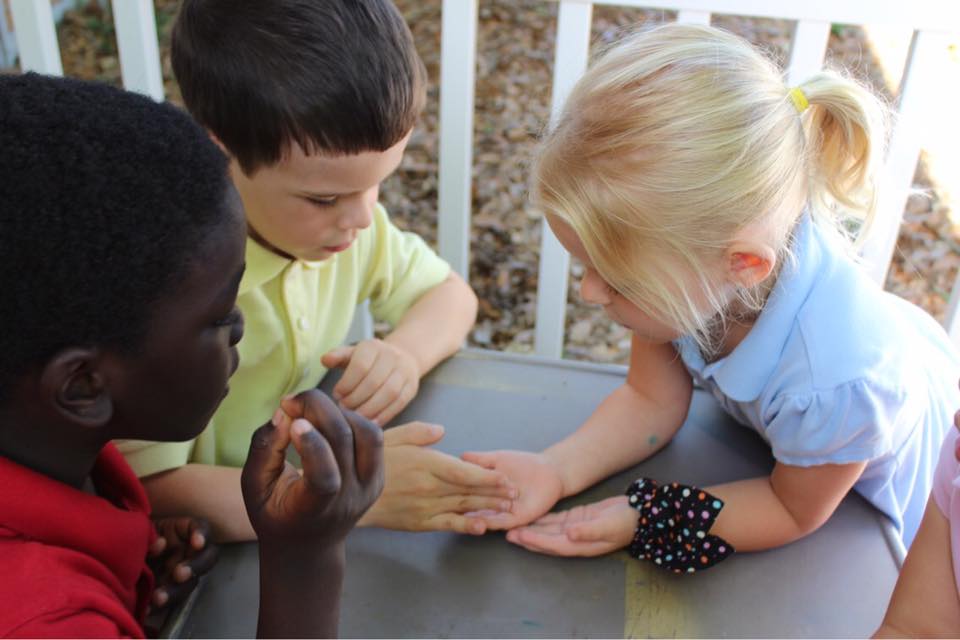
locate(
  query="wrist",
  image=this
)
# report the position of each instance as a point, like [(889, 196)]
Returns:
[(554, 460), (420, 366)]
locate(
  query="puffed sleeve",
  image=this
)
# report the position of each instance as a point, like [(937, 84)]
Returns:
[(854, 422)]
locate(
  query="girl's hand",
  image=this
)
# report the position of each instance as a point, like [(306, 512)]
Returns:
[(379, 378), (180, 554), (537, 480), (588, 530)]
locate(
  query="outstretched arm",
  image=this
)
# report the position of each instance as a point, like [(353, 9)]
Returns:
[(759, 513), (632, 423)]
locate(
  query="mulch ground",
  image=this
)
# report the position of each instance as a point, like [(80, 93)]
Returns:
[(514, 61)]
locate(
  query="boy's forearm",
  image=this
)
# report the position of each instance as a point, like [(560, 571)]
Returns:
[(435, 327), (203, 491), (624, 429), (300, 590)]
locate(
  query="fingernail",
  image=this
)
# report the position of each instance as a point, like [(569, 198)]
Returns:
[(301, 426), (183, 573), (477, 528), (277, 417), (160, 597), (199, 540)]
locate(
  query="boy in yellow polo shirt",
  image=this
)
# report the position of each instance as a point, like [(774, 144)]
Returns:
[(314, 102)]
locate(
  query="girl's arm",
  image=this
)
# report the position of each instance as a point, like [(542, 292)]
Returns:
[(759, 513), (762, 513), (925, 603), (632, 423)]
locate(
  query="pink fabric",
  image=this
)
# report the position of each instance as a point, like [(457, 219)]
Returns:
[(946, 493)]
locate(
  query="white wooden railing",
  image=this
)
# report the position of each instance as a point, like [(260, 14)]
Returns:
[(934, 22)]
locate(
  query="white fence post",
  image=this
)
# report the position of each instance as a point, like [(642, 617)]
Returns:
[(136, 27), (686, 16), (809, 45), (573, 50), (36, 36), (458, 50), (916, 92)]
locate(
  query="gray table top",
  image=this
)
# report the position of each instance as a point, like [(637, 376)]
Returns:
[(834, 583)]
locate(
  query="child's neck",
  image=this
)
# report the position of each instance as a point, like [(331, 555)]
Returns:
[(47, 451)]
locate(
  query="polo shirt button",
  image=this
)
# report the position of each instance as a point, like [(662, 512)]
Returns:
[(302, 323)]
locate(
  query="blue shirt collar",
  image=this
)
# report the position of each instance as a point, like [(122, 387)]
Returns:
[(743, 373)]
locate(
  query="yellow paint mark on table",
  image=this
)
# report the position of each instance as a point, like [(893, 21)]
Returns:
[(654, 606)]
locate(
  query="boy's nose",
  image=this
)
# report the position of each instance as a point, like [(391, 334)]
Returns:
[(593, 289), (358, 216)]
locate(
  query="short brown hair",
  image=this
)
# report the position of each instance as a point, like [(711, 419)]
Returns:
[(333, 76)]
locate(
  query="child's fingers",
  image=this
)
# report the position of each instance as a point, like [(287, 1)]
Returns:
[(266, 458), (158, 546), (495, 519), (369, 386), (419, 434), (336, 357), (485, 459), (361, 362), (383, 396), (396, 406), (368, 446), (458, 524), (472, 504), (320, 466), (198, 565), (465, 473)]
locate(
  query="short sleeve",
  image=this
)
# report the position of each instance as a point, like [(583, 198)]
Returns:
[(853, 422), (945, 478), (401, 268), (147, 458)]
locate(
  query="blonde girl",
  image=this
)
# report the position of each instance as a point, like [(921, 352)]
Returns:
[(711, 206)]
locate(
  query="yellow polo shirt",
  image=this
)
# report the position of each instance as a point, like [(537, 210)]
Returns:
[(294, 312)]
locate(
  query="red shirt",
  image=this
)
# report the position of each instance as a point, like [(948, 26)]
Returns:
[(73, 564)]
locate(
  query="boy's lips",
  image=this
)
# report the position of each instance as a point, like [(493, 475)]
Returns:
[(337, 248)]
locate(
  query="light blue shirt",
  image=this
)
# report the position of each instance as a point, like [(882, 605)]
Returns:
[(835, 370)]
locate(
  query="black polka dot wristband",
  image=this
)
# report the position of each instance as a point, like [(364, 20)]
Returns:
[(674, 525)]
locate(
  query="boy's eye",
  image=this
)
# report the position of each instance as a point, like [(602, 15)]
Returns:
[(323, 202), (230, 319)]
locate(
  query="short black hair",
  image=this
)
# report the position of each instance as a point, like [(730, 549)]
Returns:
[(106, 198), (334, 76)]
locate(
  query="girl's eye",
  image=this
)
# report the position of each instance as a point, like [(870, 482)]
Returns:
[(230, 319), (322, 202), (611, 291)]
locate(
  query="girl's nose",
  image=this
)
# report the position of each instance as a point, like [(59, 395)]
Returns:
[(594, 290)]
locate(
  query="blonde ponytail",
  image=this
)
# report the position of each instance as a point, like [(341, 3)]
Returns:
[(846, 128)]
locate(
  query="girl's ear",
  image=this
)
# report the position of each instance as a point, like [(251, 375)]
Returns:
[(76, 387), (749, 263)]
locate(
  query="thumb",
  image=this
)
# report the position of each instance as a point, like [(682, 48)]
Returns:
[(266, 458), (337, 357), (419, 434)]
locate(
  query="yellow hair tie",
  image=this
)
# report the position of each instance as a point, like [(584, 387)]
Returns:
[(799, 100)]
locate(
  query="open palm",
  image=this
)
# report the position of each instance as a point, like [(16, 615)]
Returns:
[(589, 530)]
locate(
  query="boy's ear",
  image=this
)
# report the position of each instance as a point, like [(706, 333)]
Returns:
[(75, 385), (749, 263)]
